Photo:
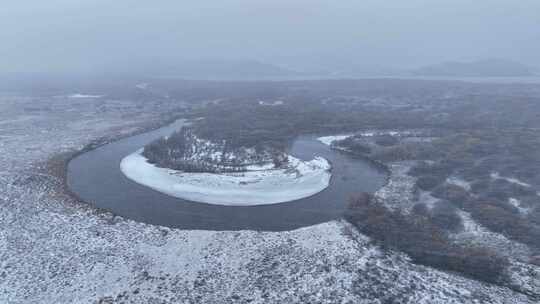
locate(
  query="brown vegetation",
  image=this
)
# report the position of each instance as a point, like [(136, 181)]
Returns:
[(424, 239)]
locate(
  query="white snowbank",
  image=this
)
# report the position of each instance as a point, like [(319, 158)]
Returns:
[(300, 179), (328, 140), (271, 103), (496, 175), (84, 96), (454, 180), (517, 203), (142, 86)]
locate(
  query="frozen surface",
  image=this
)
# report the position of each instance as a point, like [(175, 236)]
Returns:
[(258, 186)]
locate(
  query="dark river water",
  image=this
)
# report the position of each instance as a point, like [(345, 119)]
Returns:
[(96, 178)]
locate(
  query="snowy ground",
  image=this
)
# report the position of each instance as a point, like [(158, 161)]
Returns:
[(398, 193), (54, 249), (258, 186)]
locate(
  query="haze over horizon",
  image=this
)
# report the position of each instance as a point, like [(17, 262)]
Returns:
[(88, 36)]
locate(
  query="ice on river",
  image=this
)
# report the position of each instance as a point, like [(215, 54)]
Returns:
[(258, 187)]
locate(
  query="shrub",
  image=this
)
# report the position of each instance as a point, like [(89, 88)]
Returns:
[(386, 140), (444, 215), (475, 262), (534, 215), (511, 224), (423, 241), (354, 144), (425, 168), (453, 193), (420, 209), (428, 182), (480, 186)]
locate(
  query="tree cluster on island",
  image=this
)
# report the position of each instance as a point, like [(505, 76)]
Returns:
[(184, 151)]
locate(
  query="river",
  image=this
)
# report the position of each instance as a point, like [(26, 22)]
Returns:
[(96, 178)]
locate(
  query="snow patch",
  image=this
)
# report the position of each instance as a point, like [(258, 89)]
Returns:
[(426, 198), (517, 203), (328, 140), (398, 193), (78, 95), (142, 86), (271, 103), (410, 135), (496, 175), (453, 180), (475, 234), (258, 187), (371, 133)]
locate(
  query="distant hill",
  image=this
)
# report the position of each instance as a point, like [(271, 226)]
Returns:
[(479, 68), (363, 71), (227, 69)]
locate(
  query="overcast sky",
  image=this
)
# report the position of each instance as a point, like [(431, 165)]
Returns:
[(77, 35)]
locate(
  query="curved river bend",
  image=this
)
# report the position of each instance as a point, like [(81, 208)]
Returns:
[(96, 178)]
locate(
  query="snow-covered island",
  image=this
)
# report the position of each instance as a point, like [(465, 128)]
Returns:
[(203, 171)]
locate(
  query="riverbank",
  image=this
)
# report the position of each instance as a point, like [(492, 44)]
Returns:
[(57, 164)]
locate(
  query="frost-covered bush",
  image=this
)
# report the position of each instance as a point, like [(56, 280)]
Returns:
[(420, 209), (534, 215), (424, 241), (184, 151), (354, 144), (386, 140), (428, 182), (444, 215), (434, 169), (453, 193), (506, 221)]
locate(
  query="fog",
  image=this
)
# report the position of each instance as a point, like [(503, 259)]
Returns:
[(81, 36), (270, 151)]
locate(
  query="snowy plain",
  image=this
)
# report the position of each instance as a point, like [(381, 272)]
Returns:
[(55, 249)]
